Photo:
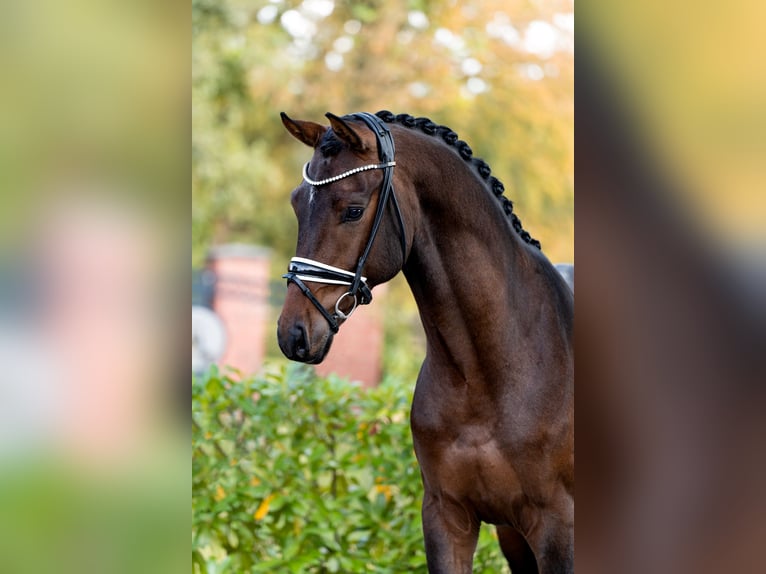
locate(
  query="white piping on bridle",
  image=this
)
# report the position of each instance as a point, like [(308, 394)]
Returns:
[(313, 279), (317, 183), (326, 280)]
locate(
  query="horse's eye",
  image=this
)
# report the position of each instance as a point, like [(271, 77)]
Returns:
[(353, 213)]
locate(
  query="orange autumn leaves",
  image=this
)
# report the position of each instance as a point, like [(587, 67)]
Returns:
[(263, 508)]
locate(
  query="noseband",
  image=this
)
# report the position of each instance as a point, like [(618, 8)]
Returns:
[(306, 270)]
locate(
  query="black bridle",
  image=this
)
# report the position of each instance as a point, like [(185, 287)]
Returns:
[(302, 269)]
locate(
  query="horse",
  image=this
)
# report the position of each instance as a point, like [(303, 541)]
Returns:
[(492, 415)]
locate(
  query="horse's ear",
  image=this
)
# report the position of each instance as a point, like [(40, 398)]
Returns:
[(308, 132), (346, 133)]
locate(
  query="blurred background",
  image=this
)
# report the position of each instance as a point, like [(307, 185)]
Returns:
[(671, 313), (94, 390), (499, 73)]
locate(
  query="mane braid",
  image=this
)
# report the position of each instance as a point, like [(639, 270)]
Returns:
[(464, 150)]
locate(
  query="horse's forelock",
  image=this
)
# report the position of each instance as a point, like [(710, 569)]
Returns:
[(330, 145)]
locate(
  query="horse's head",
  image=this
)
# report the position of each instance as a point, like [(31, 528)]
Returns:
[(349, 238)]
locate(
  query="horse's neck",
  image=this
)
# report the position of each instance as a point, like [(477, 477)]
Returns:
[(480, 290)]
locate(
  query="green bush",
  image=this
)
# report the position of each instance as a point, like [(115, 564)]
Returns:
[(296, 473)]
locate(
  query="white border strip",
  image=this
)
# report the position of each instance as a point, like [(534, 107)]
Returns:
[(313, 279), (326, 267)]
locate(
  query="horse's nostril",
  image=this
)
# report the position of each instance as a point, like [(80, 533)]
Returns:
[(300, 341)]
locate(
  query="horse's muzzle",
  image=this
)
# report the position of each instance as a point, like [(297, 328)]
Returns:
[(297, 345)]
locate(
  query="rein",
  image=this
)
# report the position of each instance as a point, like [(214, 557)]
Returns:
[(303, 269)]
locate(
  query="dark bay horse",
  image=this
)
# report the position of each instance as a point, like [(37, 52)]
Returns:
[(493, 410)]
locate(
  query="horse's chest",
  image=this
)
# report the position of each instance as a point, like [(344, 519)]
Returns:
[(471, 465), (471, 470), (463, 450)]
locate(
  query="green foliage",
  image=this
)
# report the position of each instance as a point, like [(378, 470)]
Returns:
[(295, 473)]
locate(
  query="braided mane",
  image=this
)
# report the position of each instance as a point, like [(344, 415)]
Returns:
[(451, 138)]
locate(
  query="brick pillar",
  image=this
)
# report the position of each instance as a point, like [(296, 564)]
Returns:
[(357, 349), (241, 300)]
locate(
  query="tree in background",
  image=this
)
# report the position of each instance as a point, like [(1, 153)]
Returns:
[(499, 73)]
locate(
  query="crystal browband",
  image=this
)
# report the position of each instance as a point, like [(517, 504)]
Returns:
[(317, 183)]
